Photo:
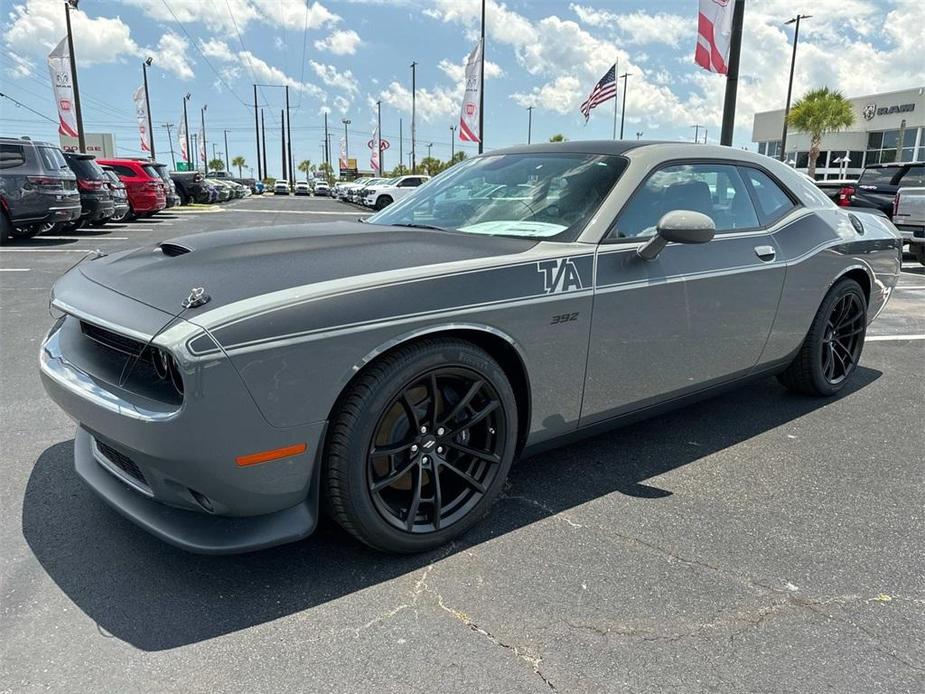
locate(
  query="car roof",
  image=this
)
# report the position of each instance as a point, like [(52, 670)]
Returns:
[(585, 147), (895, 164), (24, 140)]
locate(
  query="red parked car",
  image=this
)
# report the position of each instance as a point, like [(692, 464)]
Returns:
[(146, 191)]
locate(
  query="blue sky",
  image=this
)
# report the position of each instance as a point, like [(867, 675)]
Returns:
[(545, 53)]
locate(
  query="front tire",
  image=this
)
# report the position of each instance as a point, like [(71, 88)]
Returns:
[(832, 349), (420, 446), (382, 202)]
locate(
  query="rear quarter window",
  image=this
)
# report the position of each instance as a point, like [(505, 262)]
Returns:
[(150, 170), (879, 176), (52, 158), (11, 156), (772, 202), (86, 169), (914, 177)]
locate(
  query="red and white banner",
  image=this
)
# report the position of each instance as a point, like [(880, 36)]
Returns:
[(342, 160), (141, 115), (202, 147), (469, 114), (181, 138), (714, 34), (59, 65), (375, 146)]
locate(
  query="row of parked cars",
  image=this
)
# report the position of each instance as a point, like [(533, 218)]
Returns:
[(377, 192), (897, 190), (43, 189)]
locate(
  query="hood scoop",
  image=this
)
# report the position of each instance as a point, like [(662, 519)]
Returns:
[(173, 249)]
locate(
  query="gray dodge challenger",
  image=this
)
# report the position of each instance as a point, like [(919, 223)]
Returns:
[(229, 385)]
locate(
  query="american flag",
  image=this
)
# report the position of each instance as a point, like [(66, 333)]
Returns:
[(603, 90)]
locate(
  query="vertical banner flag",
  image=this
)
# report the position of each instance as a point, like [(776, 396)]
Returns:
[(375, 146), (469, 115), (202, 146), (714, 34), (59, 65), (605, 89), (181, 137), (141, 115), (343, 155)]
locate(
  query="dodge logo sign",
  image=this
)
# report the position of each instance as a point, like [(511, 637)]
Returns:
[(870, 111)]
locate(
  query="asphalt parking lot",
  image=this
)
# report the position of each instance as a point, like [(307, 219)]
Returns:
[(757, 542)]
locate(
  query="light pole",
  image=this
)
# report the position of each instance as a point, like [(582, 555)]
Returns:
[(482, 85), (639, 134), (257, 132), (697, 132), (346, 122), (144, 70), (173, 161), (205, 149), (379, 136), (227, 167), (623, 112), (189, 152), (413, 97), (529, 123), (81, 140), (429, 146), (793, 62), (452, 142)]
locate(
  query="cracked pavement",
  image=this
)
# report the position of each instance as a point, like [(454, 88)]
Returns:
[(756, 542)]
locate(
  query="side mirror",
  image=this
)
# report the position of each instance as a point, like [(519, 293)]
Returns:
[(678, 226)]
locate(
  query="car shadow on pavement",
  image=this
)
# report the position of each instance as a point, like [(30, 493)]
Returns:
[(155, 597)]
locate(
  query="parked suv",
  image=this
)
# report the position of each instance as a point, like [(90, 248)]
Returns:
[(119, 196), (95, 194), (173, 198), (190, 186), (146, 191), (37, 189), (879, 183), (384, 194)]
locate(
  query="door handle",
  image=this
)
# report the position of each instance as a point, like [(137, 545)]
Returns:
[(765, 252)]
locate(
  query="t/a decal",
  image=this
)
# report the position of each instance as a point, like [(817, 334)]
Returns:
[(559, 275)]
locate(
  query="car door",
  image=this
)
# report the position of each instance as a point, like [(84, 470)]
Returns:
[(696, 315)]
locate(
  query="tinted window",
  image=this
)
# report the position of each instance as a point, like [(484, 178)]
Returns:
[(52, 158), (87, 169), (11, 156), (915, 176), (772, 201), (123, 170), (716, 190), (410, 183), (879, 176), (150, 170)]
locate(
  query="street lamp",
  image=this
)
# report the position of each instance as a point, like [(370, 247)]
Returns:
[(205, 149), (793, 62), (173, 160), (189, 153), (144, 69), (529, 123), (346, 122), (639, 134), (452, 142)]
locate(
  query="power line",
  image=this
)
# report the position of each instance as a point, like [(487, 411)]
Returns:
[(28, 108)]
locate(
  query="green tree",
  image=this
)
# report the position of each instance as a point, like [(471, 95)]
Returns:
[(399, 170), (817, 113), (240, 162), (431, 165), (216, 164), (326, 171), (305, 166), (558, 137)]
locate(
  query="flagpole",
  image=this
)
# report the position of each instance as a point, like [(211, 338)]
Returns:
[(615, 95), (623, 117), (81, 142), (482, 86), (732, 74)]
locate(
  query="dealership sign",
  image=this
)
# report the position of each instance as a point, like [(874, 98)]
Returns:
[(871, 110)]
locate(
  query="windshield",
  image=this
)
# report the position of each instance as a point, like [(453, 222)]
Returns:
[(532, 195)]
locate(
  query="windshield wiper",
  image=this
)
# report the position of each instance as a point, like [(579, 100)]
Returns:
[(411, 225)]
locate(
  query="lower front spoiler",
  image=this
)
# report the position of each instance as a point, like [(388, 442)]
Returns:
[(201, 533)]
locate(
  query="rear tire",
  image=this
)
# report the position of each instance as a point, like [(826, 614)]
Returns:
[(382, 201), (409, 400), (832, 349)]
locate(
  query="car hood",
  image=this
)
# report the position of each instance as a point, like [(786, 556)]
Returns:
[(243, 263)]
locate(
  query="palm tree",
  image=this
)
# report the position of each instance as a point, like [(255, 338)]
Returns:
[(216, 164), (558, 137), (817, 113), (240, 163), (305, 166)]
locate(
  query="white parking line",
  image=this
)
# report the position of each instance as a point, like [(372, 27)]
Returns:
[(901, 287), (82, 238), (14, 269), (46, 250), (892, 338), (261, 209)]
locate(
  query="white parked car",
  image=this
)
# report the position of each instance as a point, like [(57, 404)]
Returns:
[(321, 188), (302, 188), (281, 187), (384, 194)]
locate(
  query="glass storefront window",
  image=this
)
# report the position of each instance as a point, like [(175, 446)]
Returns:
[(890, 138), (874, 140), (908, 154), (802, 160), (873, 157), (909, 137)]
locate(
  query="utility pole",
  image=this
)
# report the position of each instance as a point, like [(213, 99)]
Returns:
[(257, 133), (482, 86), (282, 138), (793, 62), (346, 122), (413, 96), (616, 64), (327, 151), (173, 160), (289, 136), (144, 70), (623, 115), (379, 130), (263, 139), (190, 154), (530, 123), (227, 165), (452, 142), (732, 74), (697, 132), (401, 139), (429, 146), (705, 133), (639, 134), (205, 149), (81, 139)]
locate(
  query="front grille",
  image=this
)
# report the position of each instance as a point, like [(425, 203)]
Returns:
[(112, 340), (121, 461)]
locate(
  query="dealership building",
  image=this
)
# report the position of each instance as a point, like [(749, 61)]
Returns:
[(887, 127)]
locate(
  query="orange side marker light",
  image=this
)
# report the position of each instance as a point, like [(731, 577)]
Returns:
[(267, 456)]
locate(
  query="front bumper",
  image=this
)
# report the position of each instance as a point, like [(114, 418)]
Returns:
[(179, 454)]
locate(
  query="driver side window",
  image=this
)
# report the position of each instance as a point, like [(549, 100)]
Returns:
[(716, 190)]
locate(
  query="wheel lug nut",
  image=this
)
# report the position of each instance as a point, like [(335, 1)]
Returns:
[(441, 431), (414, 448), (423, 430), (425, 461), (439, 449)]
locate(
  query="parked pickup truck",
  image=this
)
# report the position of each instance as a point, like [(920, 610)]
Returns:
[(909, 218)]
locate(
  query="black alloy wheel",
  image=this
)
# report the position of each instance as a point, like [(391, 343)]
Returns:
[(841, 344), (436, 450), (420, 445)]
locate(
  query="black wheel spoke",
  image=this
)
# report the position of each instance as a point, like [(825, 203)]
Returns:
[(434, 395), (487, 456), (392, 449), (474, 483), (415, 499), (828, 361), (438, 497), (477, 417), (462, 404), (392, 478), (411, 414)]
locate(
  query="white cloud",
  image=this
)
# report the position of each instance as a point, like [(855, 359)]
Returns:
[(430, 104), (457, 71), (559, 96), (216, 48), (172, 54), (342, 104), (232, 15), (640, 27), (265, 73), (340, 42), (22, 67), (331, 77)]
